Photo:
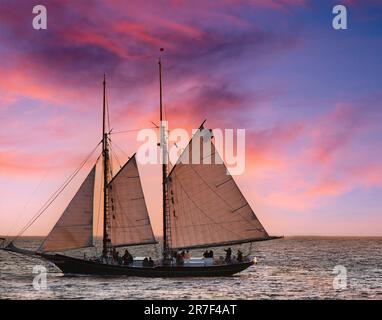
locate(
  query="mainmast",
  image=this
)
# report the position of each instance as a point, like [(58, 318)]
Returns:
[(105, 156), (163, 146)]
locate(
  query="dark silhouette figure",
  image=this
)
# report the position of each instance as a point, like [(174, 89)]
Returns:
[(115, 254), (127, 258), (118, 258), (239, 256), (179, 260), (151, 262), (228, 254)]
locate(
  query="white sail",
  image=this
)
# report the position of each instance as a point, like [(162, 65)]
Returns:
[(129, 218), (206, 207), (74, 229)]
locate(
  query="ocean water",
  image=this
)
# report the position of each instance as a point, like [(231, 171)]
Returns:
[(290, 268)]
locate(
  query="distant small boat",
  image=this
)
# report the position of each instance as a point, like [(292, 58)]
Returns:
[(202, 208)]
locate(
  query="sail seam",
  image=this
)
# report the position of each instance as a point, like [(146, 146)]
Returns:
[(208, 224), (221, 244), (74, 225), (241, 207), (224, 182)]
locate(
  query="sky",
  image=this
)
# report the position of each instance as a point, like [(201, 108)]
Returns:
[(308, 96)]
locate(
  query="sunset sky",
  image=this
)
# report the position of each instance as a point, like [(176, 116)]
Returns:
[(308, 96)]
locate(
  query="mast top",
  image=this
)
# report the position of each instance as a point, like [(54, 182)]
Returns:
[(160, 56)]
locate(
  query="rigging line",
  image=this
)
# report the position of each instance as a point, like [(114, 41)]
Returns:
[(116, 145), (55, 194), (107, 110), (99, 157), (202, 211), (114, 153), (132, 130), (51, 200), (26, 204), (111, 160)]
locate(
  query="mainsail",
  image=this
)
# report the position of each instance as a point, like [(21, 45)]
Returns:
[(129, 218), (206, 207), (75, 227)]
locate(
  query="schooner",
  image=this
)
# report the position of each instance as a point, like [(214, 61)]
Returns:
[(202, 208)]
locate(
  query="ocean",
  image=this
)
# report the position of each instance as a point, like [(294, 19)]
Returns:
[(289, 268)]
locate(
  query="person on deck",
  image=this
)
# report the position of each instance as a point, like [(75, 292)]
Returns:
[(239, 256), (114, 254), (211, 254), (228, 254), (124, 257), (118, 258), (205, 254), (145, 262), (131, 259), (150, 263), (127, 258), (179, 260)]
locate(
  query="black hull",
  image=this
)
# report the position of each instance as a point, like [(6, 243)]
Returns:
[(69, 265)]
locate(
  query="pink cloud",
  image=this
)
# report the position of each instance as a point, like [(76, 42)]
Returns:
[(22, 163), (333, 132), (301, 177)]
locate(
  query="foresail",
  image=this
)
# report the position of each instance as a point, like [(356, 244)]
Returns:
[(129, 218), (75, 227), (206, 207)]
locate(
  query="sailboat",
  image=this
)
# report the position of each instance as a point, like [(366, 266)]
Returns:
[(202, 208)]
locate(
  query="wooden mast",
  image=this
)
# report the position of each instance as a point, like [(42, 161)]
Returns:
[(164, 159), (105, 156)]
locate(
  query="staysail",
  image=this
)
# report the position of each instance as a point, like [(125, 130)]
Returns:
[(206, 207), (129, 218), (75, 227)]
